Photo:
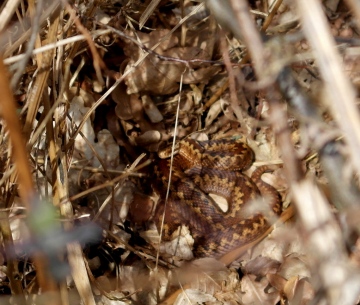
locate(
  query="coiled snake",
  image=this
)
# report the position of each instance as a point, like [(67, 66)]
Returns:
[(213, 167)]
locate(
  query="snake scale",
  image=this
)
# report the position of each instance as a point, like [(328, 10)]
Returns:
[(213, 167)]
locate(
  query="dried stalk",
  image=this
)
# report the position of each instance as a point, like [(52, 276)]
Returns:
[(341, 94), (20, 158), (323, 235)]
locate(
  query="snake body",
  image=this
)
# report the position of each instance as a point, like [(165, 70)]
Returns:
[(213, 167)]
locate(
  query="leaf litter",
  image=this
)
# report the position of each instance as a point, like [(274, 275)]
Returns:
[(174, 72)]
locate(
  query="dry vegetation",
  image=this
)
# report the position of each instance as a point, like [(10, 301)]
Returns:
[(92, 90)]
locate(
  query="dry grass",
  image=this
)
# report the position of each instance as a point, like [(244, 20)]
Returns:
[(91, 92)]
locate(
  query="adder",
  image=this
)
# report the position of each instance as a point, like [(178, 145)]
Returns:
[(201, 170)]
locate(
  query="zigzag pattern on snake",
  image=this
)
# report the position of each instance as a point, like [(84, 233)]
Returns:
[(213, 167)]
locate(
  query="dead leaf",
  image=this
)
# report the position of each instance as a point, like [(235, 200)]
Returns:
[(193, 296), (254, 292), (160, 77), (261, 266)]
